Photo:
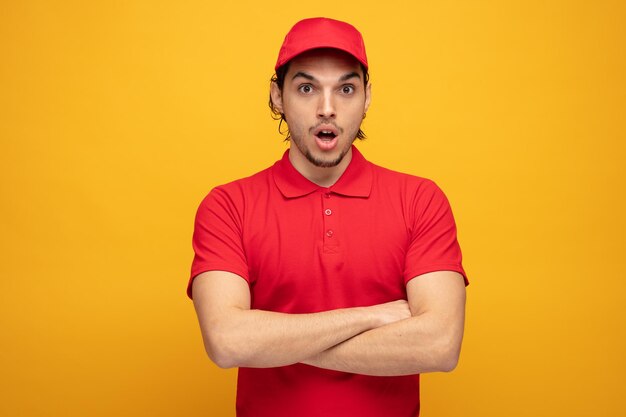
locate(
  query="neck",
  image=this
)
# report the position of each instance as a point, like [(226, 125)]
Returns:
[(322, 176)]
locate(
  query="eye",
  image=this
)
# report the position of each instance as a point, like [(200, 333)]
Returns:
[(347, 89), (305, 88)]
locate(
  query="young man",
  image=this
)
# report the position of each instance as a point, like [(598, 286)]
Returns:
[(330, 282)]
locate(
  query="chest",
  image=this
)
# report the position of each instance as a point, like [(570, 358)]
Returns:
[(325, 251)]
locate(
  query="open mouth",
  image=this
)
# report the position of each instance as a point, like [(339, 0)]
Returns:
[(326, 135)]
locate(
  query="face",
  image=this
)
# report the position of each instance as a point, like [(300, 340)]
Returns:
[(324, 101)]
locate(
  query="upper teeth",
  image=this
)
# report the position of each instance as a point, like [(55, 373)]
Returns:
[(327, 131)]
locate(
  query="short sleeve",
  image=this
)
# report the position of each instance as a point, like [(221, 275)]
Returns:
[(433, 244), (217, 237)]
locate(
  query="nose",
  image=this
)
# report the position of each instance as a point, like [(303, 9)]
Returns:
[(326, 106)]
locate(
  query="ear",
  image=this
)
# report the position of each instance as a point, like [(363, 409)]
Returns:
[(277, 97), (368, 96)]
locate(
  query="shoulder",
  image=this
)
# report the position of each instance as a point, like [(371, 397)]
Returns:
[(242, 188), (236, 195), (419, 198), (411, 186)]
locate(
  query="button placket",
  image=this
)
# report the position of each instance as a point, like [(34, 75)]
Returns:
[(329, 219)]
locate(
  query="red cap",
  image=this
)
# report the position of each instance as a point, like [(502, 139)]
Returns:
[(321, 32)]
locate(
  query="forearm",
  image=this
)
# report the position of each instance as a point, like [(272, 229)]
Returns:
[(235, 335), (411, 346), (256, 338)]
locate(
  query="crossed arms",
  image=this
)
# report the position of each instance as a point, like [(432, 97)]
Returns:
[(402, 337)]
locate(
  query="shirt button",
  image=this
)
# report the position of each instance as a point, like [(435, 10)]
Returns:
[(327, 195), (328, 212), (329, 233)]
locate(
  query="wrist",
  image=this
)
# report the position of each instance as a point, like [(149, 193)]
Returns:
[(369, 318)]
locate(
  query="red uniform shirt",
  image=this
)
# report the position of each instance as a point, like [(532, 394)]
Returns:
[(303, 248)]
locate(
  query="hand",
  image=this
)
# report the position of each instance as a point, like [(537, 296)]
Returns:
[(390, 312)]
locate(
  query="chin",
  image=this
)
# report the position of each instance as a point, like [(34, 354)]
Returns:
[(319, 158), (326, 161)]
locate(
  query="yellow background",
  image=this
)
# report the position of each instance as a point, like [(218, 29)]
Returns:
[(117, 117)]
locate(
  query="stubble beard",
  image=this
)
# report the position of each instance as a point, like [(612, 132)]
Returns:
[(322, 163), (318, 162)]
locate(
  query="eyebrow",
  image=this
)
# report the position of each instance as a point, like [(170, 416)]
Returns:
[(349, 75), (303, 75), (309, 77)]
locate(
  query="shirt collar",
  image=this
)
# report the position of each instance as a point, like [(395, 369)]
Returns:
[(356, 181)]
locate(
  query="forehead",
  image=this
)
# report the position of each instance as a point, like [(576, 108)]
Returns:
[(324, 61)]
